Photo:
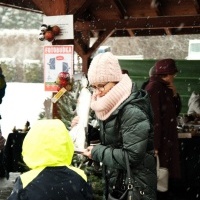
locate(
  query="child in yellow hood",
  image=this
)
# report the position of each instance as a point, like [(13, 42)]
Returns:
[(48, 150)]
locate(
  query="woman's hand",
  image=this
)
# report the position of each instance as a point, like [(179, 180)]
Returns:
[(88, 152), (173, 88), (74, 121)]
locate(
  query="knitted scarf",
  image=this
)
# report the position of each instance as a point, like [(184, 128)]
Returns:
[(105, 105)]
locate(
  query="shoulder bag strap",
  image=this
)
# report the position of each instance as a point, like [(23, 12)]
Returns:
[(130, 180)]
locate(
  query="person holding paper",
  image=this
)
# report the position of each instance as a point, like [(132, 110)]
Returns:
[(125, 119)]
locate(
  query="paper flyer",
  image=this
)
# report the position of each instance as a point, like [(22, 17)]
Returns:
[(66, 24), (57, 58)]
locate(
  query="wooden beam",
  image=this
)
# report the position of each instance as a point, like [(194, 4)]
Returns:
[(141, 23), (87, 55), (100, 40), (186, 31), (82, 40), (156, 5), (63, 42), (197, 5), (121, 8), (81, 9), (157, 32), (79, 49), (85, 63), (51, 8), (30, 7), (168, 31), (131, 33)]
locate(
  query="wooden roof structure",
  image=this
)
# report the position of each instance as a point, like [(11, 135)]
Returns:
[(117, 18)]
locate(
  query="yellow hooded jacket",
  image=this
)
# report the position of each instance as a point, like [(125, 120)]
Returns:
[(48, 145)]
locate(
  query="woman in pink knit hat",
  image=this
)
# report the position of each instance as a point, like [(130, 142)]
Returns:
[(125, 119)]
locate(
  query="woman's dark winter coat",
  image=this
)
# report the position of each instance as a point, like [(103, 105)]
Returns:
[(166, 108), (128, 129)]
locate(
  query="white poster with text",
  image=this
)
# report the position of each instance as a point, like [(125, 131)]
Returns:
[(57, 58)]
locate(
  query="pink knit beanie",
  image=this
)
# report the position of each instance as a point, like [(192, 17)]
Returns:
[(104, 68)]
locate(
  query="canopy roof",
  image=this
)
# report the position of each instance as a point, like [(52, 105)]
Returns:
[(125, 17), (116, 18)]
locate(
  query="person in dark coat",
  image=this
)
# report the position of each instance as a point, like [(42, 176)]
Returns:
[(151, 72), (48, 151), (12, 159), (166, 104), (2, 94), (2, 139), (2, 85), (124, 114), (2, 142), (2, 170)]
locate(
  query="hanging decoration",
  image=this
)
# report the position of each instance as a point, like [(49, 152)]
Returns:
[(65, 84), (63, 80), (49, 32)]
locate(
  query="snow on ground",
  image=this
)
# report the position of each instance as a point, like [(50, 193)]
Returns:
[(22, 102)]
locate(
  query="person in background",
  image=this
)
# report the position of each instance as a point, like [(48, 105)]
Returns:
[(2, 142), (151, 72), (13, 161), (194, 106), (2, 94), (48, 150), (2, 139), (24, 130), (2, 85), (166, 104), (125, 71), (124, 116), (2, 170)]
